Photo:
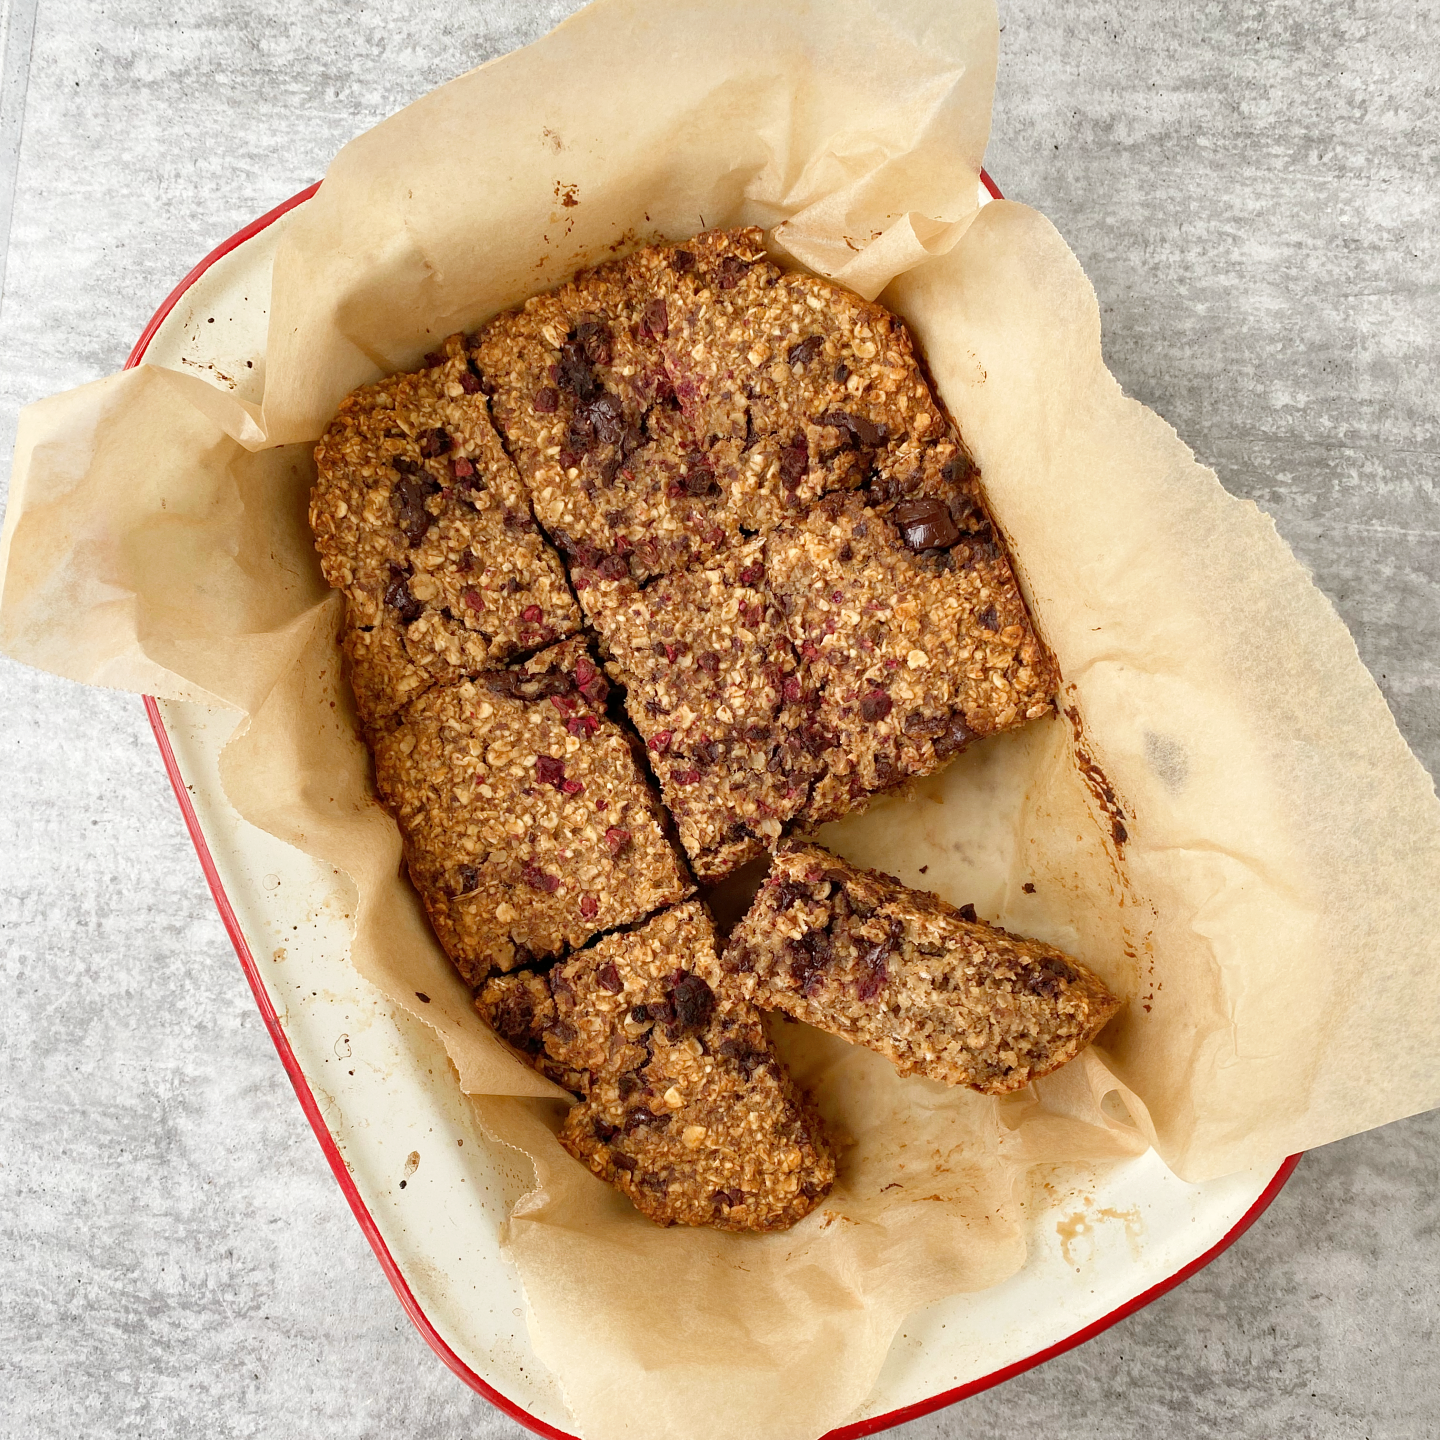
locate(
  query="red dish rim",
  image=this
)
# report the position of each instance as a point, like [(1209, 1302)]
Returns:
[(337, 1162)]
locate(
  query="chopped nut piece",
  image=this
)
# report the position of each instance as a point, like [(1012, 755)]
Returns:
[(496, 825), (856, 953)]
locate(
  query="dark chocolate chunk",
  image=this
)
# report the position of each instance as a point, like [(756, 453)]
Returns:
[(925, 523), (408, 497), (399, 598), (864, 433), (875, 706), (694, 1002)]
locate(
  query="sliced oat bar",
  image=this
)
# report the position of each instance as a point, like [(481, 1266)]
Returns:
[(528, 825), (934, 990), (423, 522), (686, 1109), (795, 386), (712, 685), (582, 396), (912, 634)]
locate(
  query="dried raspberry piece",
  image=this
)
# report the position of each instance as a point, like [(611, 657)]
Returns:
[(549, 770), (537, 879)]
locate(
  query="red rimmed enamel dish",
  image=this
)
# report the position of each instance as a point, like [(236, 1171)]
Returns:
[(378, 1089)]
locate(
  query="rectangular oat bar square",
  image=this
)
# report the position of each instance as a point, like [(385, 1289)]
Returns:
[(528, 825), (421, 520), (582, 396), (931, 988), (712, 685), (687, 1109), (912, 635), (792, 384)]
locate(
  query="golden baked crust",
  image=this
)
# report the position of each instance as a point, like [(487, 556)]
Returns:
[(528, 827), (423, 522), (686, 1108), (937, 992)]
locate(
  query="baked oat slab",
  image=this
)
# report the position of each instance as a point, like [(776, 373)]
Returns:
[(686, 1109), (528, 826), (712, 685), (912, 635), (934, 990), (586, 406), (422, 521)]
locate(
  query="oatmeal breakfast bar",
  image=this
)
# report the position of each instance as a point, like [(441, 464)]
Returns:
[(936, 991), (912, 635), (528, 825), (422, 521), (792, 384), (686, 1108), (712, 685), (580, 391)]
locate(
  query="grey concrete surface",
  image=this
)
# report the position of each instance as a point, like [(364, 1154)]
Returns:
[(1252, 189)]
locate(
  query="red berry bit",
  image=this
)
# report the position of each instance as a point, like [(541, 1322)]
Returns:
[(537, 879), (532, 614), (660, 741), (590, 682), (589, 906), (582, 726), (550, 771), (618, 840)]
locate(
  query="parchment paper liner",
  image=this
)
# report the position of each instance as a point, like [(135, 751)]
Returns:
[(1225, 823)]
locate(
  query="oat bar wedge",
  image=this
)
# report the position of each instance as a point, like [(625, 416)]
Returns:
[(528, 825), (582, 396), (793, 385), (422, 521), (687, 1110), (938, 993), (912, 635), (712, 685)]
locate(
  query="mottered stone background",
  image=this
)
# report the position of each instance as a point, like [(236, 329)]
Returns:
[(1250, 186)]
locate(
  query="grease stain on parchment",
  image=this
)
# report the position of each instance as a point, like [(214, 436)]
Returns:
[(1078, 1232)]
